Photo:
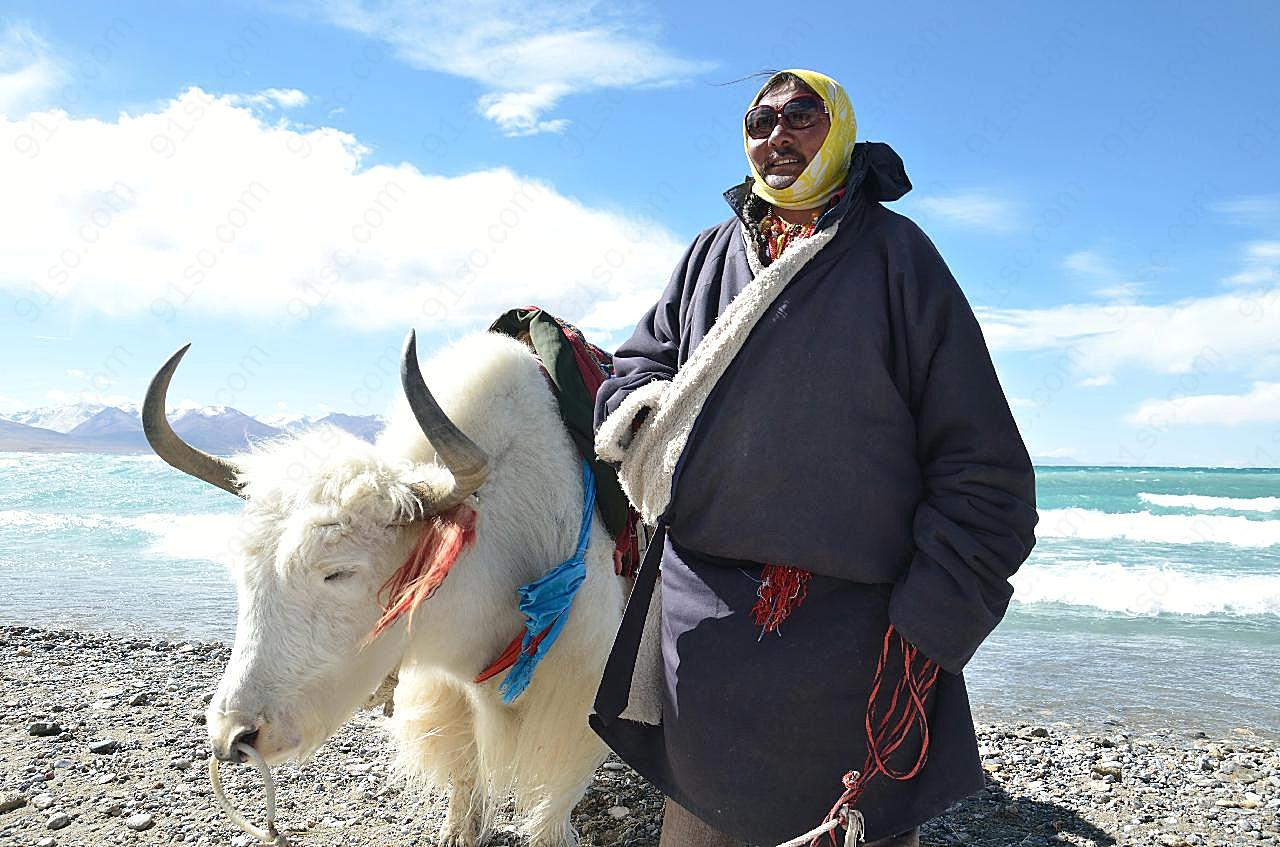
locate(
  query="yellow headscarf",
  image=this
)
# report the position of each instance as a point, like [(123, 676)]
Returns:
[(826, 172)]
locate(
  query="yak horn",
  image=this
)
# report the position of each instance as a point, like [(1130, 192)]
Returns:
[(166, 443), (466, 461)]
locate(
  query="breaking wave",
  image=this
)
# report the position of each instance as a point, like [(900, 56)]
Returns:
[(1147, 590), (208, 537), (1206, 503), (1166, 529), (173, 536)]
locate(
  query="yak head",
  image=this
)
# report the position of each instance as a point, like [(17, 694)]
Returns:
[(336, 541)]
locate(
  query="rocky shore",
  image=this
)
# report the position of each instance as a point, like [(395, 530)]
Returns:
[(102, 743)]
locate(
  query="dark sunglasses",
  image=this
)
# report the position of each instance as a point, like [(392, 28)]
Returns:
[(800, 112)]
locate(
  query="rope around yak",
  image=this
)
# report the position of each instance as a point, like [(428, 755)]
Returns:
[(270, 835)]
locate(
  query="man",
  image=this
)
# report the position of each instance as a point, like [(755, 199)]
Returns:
[(810, 417)]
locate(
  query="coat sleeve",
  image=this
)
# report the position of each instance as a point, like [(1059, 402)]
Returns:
[(974, 527), (642, 368)]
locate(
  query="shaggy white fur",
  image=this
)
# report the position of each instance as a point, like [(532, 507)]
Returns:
[(322, 531), (648, 460)]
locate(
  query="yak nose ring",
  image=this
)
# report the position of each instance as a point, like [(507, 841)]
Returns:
[(268, 835)]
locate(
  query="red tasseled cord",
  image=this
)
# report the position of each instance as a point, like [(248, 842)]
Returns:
[(887, 732), (782, 589), (444, 537), (626, 549), (511, 655)]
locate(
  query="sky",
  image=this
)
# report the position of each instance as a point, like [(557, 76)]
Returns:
[(291, 186)]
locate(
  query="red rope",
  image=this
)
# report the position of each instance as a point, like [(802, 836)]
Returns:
[(782, 589), (887, 731), (444, 537), (511, 655), (626, 548)]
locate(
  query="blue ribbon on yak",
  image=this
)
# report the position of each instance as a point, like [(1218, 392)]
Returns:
[(545, 603)]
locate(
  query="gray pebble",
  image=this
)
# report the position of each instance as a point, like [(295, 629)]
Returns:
[(58, 820), (105, 747), (43, 728), (140, 821)]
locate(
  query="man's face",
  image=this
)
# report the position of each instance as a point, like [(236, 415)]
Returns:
[(783, 156)]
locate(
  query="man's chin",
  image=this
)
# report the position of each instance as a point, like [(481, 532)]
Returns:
[(779, 181)]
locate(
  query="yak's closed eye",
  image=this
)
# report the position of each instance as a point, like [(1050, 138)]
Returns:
[(339, 576)]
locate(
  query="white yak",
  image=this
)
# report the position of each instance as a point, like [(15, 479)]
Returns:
[(328, 519)]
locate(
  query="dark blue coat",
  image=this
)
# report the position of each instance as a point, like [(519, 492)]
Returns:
[(860, 433)]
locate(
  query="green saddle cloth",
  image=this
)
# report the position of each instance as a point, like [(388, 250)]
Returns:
[(576, 368)]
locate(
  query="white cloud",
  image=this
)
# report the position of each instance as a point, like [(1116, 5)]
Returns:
[(1236, 332), (281, 98), (1260, 405), (28, 70), (240, 217), (1261, 265), (1089, 262), (527, 55), (517, 111), (1250, 208), (1120, 291), (1111, 282), (972, 209)]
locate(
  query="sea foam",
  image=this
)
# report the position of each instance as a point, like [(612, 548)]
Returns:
[(1146, 589), (1206, 503), (1235, 530), (208, 537)]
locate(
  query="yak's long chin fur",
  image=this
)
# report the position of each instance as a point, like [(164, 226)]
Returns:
[(335, 557)]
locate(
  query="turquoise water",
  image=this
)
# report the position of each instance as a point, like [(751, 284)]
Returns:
[(1152, 597)]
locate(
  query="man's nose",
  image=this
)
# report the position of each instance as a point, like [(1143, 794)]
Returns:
[(781, 135)]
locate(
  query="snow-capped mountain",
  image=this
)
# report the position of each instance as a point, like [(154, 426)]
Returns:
[(17, 436), (288, 421), (215, 429), (66, 417), (111, 421), (361, 426), (219, 429)]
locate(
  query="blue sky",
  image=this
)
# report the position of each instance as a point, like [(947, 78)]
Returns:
[(293, 185)]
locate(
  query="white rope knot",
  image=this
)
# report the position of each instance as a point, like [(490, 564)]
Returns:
[(850, 819), (269, 835), (854, 827)]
